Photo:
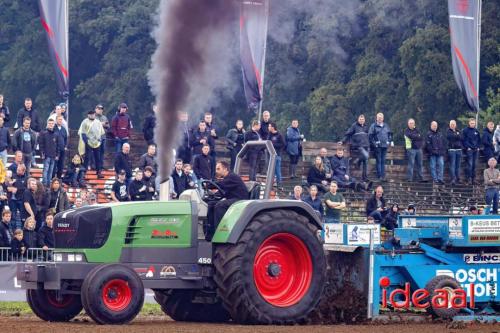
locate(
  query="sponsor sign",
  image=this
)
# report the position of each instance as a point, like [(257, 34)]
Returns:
[(484, 230), (485, 258), (168, 272), (334, 233), (145, 272), (483, 280), (161, 220), (455, 227), (409, 222), (167, 234), (359, 234)]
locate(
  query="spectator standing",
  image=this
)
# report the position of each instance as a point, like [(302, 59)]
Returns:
[(25, 140), (4, 141), (191, 177), (62, 132), (471, 143), (179, 179), (358, 137), (58, 198), (435, 146), (294, 146), (184, 150), (202, 165), (212, 129), (16, 190), (50, 146), (31, 113), (58, 111), (18, 160), (149, 181), (454, 138), (314, 201), (487, 141), (99, 115), (5, 232), (122, 162), (375, 206), (91, 134), (264, 134), (4, 194), (29, 207), (380, 136), (334, 203), (496, 142), (297, 193), (4, 110), (46, 238), (148, 127), (491, 182), (137, 188), (42, 201), (235, 139), (279, 144), (75, 174), (316, 175), (327, 165), (202, 137), (119, 191), (121, 126), (414, 141), (149, 159), (253, 153)]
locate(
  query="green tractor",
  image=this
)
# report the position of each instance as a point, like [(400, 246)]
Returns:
[(264, 265)]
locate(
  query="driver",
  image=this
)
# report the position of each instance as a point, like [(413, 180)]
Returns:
[(234, 189)]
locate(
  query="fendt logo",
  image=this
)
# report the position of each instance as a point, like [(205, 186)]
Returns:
[(483, 280), (442, 298)]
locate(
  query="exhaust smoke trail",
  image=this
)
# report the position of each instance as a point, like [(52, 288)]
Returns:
[(193, 59)]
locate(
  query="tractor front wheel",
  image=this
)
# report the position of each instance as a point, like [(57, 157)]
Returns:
[(49, 305), (191, 305), (275, 273), (112, 294), (448, 284)]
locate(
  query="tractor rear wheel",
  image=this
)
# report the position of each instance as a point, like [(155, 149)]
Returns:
[(112, 294), (188, 305), (446, 283), (275, 273), (49, 306)]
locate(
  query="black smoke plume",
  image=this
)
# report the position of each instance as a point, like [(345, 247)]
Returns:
[(189, 64)]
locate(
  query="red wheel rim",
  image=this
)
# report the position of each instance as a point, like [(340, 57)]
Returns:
[(64, 301), (116, 295), (282, 270)]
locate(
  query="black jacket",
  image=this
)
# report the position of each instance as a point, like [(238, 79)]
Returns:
[(235, 138), (264, 129), (4, 109), (135, 192), (122, 162), (252, 136), (197, 145), (30, 238), (202, 166), (63, 133), (180, 183), (278, 142), (50, 143), (314, 176), (340, 166), (390, 221), (148, 127), (15, 248), (5, 235), (416, 138), (371, 204), (454, 138), (435, 144), (4, 138), (471, 139), (36, 124), (18, 143), (149, 182), (487, 140), (147, 160), (46, 237), (233, 187), (357, 135)]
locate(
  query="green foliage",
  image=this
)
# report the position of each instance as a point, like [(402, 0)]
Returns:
[(386, 56)]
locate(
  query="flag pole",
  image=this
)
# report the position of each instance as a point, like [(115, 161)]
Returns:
[(478, 52), (66, 18), (263, 64)]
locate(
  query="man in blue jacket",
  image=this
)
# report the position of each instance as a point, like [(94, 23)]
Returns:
[(380, 139), (471, 142)]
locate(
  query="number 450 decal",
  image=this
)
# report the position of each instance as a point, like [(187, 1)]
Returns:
[(205, 261)]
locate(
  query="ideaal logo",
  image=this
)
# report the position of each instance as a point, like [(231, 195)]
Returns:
[(167, 234)]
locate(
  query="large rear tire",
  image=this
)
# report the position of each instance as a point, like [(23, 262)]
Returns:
[(187, 305), (441, 282), (112, 294), (275, 273), (49, 306)]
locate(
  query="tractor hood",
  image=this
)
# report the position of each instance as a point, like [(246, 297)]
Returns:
[(86, 227)]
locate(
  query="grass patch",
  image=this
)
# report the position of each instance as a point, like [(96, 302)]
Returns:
[(17, 309)]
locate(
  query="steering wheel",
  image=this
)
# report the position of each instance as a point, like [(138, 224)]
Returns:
[(210, 195)]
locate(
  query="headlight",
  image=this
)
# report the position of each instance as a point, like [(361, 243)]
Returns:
[(71, 257), (58, 257), (78, 257)]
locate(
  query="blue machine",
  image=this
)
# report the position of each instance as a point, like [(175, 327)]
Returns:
[(432, 253)]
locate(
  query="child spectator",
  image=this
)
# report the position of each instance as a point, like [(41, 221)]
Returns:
[(75, 173), (17, 246), (137, 189), (5, 233), (119, 191), (30, 236)]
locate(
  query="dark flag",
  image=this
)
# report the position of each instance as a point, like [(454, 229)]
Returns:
[(54, 18), (253, 35), (465, 33)]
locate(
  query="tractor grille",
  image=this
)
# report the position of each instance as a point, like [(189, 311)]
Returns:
[(132, 231)]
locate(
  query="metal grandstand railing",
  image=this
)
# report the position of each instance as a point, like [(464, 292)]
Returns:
[(32, 254)]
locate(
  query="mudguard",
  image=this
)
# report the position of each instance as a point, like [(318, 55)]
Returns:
[(241, 213)]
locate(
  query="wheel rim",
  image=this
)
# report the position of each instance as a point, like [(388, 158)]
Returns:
[(116, 295), (450, 292), (64, 301), (282, 270)]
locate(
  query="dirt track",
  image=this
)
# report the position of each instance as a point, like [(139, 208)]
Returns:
[(32, 324)]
